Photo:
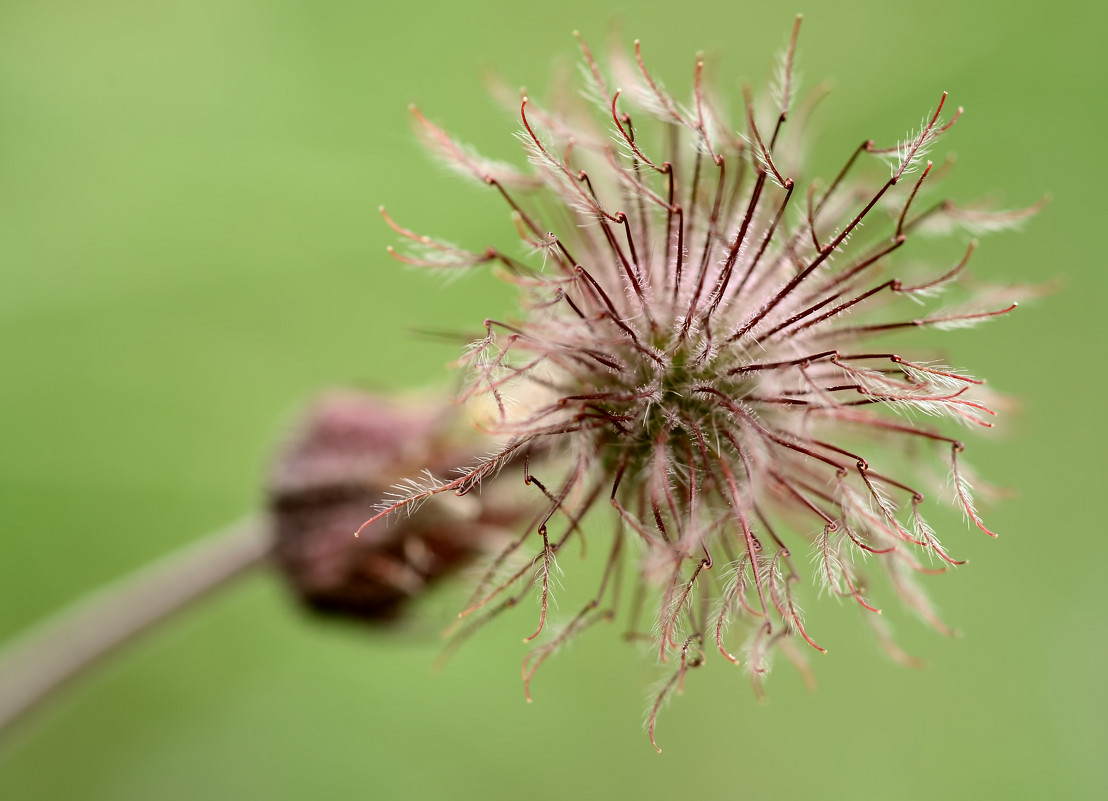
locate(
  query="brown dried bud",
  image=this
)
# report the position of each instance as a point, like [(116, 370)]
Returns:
[(333, 474)]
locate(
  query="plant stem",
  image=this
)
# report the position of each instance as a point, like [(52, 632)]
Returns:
[(65, 645)]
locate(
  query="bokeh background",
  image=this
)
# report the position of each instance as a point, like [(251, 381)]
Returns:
[(189, 250)]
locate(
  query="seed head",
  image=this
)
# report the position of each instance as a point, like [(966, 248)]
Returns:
[(712, 351)]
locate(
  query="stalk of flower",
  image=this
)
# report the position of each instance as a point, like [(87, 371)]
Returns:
[(706, 348)]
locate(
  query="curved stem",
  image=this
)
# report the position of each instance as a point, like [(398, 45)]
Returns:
[(63, 646)]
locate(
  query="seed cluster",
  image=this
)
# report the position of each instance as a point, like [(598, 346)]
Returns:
[(703, 347)]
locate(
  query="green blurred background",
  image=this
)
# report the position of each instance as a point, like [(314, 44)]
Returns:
[(189, 249)]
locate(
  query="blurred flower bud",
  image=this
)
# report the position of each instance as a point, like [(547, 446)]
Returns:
[(335, 470)]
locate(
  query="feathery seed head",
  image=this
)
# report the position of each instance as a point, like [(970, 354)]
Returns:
[(709, 349)]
